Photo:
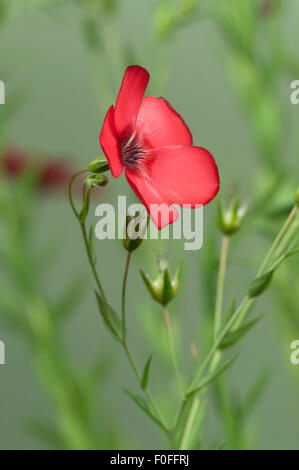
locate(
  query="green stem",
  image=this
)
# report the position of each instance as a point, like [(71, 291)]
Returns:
[(220, 283), (189, 424), (123, 298), (89, 255), (172, 350), (147, 392), (244, 305), (160, 420), (240, 313), (70, 190)]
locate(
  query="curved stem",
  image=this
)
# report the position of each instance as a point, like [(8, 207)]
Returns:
[(172, 349), (70, 190), (220, 284), (123, 297)]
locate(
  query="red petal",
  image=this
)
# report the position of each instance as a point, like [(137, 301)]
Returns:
[(186, 175), (129, 98), (161, 125), (149, 195), (110, 145)]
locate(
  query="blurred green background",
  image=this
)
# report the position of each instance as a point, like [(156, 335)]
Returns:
[(61, 73)]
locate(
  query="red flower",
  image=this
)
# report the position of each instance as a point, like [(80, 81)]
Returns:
[(55, 175), (14, 162), (151, 140)]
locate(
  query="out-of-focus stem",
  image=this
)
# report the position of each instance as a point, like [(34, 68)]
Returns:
[(220, 283), (189, 424), (172, 349)]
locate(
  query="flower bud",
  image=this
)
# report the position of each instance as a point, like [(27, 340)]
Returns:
[(135, 231), (231, 218), (94, 181), (164, 288), (297, 197), (99, 165)]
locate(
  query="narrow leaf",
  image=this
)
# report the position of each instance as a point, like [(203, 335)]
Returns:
[(212, 377), (229, 310), (148, 283), (256, 392), (70, 298), (260, 284), (144, 405), (167, 287), (233, 337), (221, 446), (145, 375), (110, 318)]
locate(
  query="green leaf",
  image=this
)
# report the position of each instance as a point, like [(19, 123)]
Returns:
[(180, 426), (221, 446), (111, 320), (229, 310), (148, 283), (212, 377), (145, 375), (45, 433), (260, 284), (70, 298), (167, 294), (233, 336), (256, 392), (144, 405)]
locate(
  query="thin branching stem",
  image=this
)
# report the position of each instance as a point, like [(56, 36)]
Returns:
[(159, 418)]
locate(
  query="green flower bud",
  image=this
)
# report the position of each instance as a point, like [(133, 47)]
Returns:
[(164, 288), (99, 165), (135, 230), (231, 218), (94, 181), (297, 197)]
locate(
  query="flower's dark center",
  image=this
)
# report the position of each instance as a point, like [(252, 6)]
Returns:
[(132, 152)]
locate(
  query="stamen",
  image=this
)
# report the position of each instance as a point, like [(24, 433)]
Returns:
[(132, 152)]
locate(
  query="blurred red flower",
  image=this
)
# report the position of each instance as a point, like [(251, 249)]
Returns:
[(14, 161), (51, 174), (151, 140), (54, 174)]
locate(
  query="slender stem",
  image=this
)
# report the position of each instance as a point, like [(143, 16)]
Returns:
[(128, 352), (146, 391), (244, 305), (172, 349), (220, 283), (70, 190), (278, 239), (189, 424), (123, 297), (89, 255), (238, 315)]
